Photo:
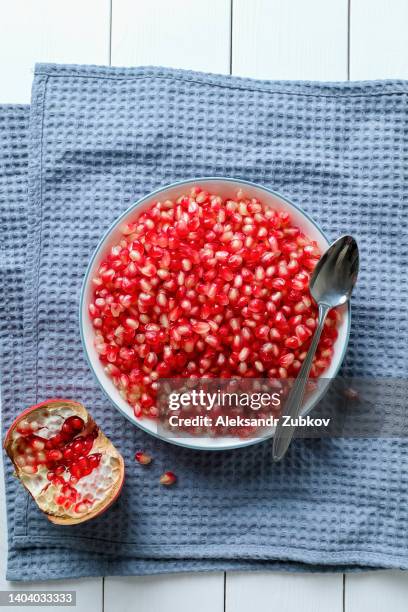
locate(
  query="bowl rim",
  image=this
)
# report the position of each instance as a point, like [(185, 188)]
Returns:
[(96, 253)]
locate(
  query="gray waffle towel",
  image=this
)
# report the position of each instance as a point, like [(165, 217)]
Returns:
[(94, 140)]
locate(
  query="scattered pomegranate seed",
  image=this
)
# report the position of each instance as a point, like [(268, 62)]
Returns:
[(168, 478), (143, 458), (351, 394), (205, 286)]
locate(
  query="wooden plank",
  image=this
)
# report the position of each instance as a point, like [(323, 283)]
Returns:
[(182, 33), (285, 592), (378, 50), (89, 591), (376, 592), (172, 593), (378, 39), (70, 31), (290, 39)]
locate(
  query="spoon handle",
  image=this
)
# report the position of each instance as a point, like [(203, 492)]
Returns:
[(284, 434)]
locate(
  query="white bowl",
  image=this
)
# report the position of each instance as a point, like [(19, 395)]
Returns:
[(226, 187)]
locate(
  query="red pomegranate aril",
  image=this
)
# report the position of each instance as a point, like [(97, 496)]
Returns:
[(267, 352), (210, 287), (293, 265), (244, 354), (256, 305), (262, 332), (73, 424), (54, 455), (77, 447), (279, 284), (143, 458), (300, 307), (302, 332), (286, 360), (321, 363), (275, 335), (37, 443), (168, 478), (311, 323), (351, 394), (326, 353), (295, 320), (293, 342), (280, 321), (212, 341), (200, 327), (112, 353), (310, 263)]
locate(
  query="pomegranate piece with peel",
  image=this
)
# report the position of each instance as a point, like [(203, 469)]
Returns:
[(63, 459), (204, 286)]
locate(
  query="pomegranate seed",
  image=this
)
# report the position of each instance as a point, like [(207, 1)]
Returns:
[(262, 332), (351, 394), (244, 354), (256, 306), (54, 455), (143, 458), (168, 478), (286, 360), (267, 352), (201, 327), (73, 424), (293, 342)]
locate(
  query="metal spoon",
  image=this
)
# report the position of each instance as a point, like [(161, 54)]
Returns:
[(331, 285)]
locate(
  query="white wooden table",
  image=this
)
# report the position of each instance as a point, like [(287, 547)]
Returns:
[(274, 39)]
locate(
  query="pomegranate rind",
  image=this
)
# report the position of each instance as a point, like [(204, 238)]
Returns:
[(102, 444)]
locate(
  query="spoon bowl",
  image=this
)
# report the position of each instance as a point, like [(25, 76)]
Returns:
[(336, 273)]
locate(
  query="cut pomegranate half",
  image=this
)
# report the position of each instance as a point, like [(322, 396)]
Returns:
[(65, 461)]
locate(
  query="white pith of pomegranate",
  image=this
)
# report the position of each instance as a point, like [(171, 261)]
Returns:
[(206, 287), (64, 460)]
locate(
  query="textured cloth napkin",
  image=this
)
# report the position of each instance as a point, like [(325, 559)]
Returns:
[(96, 139)]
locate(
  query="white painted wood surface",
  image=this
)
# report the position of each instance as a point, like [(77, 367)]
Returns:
[(379, 39), (198, 592), (285, 39), (70, 31), (377, 592), (192, 34), (290, 39), (284, 592)]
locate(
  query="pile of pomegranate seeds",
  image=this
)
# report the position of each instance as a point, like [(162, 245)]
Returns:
[(206, 287)]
